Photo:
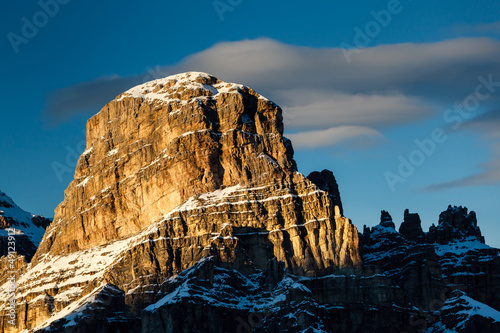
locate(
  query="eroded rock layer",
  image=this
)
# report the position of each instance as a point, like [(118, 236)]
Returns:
[(174, 171)]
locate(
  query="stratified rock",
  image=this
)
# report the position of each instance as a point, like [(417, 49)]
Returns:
[(466, 315), (472, 267), (385, 222), (412, 266), (429, 272), (411, 228), (334, 303), (177, 170)]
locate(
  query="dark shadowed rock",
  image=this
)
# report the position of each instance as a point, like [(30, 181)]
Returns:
[(326, 181), (455, 224), (411, 228), (26, 228), (386, 220)]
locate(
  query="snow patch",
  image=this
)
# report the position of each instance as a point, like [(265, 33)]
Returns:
[(460, 247), (85, 181)]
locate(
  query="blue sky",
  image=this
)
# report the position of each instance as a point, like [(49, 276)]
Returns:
[(356, 112)]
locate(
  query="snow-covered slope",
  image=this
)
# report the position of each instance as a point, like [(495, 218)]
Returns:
[(464, 314)]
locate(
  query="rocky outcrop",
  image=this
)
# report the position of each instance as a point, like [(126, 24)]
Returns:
[(455, 224), (20, 235), (326, 181), (177, 170), (165, 143), (461, 313), (340, 302), (386, 220), (211, 298), (433, 273), (411, 228), (412, 266)]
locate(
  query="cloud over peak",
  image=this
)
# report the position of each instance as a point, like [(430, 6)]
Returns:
[(324, 97)]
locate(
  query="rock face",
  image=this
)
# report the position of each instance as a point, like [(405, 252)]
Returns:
[(177, 170), (326, 181), (386, 220), (466, 315), (260, 303), (187, 214), (20, 235), (165, 143)]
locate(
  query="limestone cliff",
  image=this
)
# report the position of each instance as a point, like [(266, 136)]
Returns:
[(176, 170)]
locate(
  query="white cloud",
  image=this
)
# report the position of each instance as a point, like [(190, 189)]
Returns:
[(335, 135), (489, 174), (308, 109), (398, 82)]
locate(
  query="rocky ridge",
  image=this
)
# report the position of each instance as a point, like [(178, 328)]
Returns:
[(438, 268)]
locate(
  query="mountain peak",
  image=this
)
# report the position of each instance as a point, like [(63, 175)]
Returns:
[(411, 228), (455, 223), (184, 88), (181, 169), (386, 220), (190, 145)]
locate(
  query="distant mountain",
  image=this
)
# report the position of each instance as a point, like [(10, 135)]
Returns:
[(27, 228), (187, 214)]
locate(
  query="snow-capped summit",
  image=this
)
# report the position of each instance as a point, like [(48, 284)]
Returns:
[(183, 88)]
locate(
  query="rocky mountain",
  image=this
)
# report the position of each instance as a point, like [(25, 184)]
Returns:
[(448, 265), (177, 170), (187, 214), (28, 229)]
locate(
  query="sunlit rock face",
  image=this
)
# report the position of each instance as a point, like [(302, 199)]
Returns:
[(168, 142), (176, 170)]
